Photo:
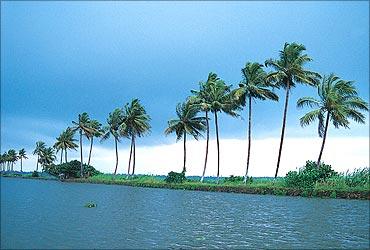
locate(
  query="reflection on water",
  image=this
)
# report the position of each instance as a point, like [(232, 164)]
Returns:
[(50, 214)]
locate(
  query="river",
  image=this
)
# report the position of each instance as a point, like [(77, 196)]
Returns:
[(51, 214)]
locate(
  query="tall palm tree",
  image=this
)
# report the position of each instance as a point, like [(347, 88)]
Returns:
[(64, 142), (201, 98), (115, 124), (136, 122), (221, 100), (96, 131), (40, 145), (82, 125), (338, 101), (5, 158), (13, 157), (253, 86), (2, 160), (22, 155), (288, 71), (47, 157), (187, 122)]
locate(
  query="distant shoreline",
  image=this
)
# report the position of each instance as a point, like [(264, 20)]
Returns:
[(226, 188)]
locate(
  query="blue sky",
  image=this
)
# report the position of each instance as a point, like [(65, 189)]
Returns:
[(59, 59)]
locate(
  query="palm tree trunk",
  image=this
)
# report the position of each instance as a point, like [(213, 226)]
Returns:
[(21, 165), (323, 139), (65, 155), (206, 157), (91, 144), (184, 167), (115, 142), (37, 164), (283, 127), (82, 167), (218, 149), (129, 159), (61, 156), (249, 137), (12, 166), (134, 157)]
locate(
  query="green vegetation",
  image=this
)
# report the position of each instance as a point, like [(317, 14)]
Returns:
[(71, 170), (174, 177), (90, 205)]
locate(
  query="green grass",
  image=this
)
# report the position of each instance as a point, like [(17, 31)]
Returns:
[(339, 186), (333, 188)]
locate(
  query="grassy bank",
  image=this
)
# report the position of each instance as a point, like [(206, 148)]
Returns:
[(337, 187), (263, 186)]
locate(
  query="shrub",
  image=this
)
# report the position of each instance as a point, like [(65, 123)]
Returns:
[(174, 177), (233, 178), (359, 177), (71, 169), (308, 175), (35, 174)]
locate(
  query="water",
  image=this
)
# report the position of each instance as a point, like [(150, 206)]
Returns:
[(51, 214)]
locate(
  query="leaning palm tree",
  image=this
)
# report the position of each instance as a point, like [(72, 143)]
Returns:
[(47, 157), (96, 131), (82, 125), (13, 157), (115, 123), (253, 86), (289, 71), (187, 122), (338, 101), (221, 100), (200, 99), (40, 145), (22, 155), (65, 142), (136, 124)]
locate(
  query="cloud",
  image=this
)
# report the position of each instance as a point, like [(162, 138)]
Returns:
[(342, 153)]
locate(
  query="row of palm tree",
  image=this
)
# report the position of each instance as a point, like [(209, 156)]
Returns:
[(338, 101), (8, 159)]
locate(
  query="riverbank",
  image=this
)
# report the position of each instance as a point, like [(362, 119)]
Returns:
[(260, 186)]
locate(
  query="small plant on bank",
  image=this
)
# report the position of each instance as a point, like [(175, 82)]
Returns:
[(233, 179), (174, 177), (359, 177), (309, 175), (35, 174)]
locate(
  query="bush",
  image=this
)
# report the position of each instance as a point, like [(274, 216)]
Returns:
[(307, 176), (233, 178), (359, 177), (35, 174), (174, 177), (71, 169)]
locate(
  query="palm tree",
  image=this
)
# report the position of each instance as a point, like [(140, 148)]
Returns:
[(40, 145), (289, 71), (187, 122), (96, 131), (22, 155), (201, 100), (83, 126), (136, 122), (115, 124), (47, 157), (5, 158), (338, 101), (2, 162), (253, 86), (64, 142), (220, 100), (13, 157)]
